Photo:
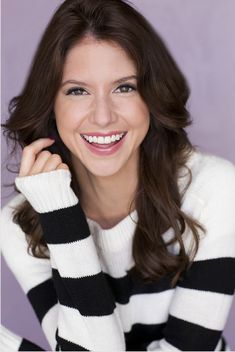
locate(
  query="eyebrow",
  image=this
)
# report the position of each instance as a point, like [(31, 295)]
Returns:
[(120, 80)]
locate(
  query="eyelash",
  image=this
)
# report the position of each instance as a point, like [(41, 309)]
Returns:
[(75, 89)]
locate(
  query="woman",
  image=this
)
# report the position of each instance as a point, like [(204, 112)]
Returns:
[(129, 228)]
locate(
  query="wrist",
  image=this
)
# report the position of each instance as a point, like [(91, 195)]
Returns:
[(48, 191)]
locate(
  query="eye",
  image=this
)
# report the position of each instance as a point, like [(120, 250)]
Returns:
[(75, 91), (126, 88)]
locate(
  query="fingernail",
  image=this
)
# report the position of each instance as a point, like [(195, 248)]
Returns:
[(52, 138)]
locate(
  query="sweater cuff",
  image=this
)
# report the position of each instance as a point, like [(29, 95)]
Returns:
[(9, 340), (48, 191)]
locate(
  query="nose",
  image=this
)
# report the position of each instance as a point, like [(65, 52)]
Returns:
[(103, 114)]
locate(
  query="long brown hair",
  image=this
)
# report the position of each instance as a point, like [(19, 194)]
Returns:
[(164, 151)]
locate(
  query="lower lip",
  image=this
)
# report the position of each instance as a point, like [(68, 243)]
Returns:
[(104, 151)]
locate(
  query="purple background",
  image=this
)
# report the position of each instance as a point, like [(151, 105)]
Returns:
[(200, 35)]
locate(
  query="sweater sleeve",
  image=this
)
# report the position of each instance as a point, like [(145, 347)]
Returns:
[(203, 298), (34, 275), (87, 313)]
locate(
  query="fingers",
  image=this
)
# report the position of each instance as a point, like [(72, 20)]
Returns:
[(35, 160), (39, 162), (52, 163), (62, 166), (30, 153), (45, 162)]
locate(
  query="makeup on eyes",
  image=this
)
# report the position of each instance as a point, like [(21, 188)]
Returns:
[(73, 89)]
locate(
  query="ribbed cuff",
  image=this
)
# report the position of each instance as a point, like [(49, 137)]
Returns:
[(48, 191), (9, 340)]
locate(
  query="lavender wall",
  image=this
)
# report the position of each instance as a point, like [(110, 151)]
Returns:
[(200, 34)]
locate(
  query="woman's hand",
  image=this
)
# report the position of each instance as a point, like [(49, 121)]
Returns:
[(44, 179), (34, 161)]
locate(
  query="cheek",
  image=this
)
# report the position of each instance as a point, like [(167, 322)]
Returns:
[(140, 116), (67, 116)]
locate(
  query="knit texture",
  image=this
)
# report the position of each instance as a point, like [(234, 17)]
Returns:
[(86, 296)]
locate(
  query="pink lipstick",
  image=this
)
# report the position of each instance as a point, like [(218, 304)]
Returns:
[(104, 149)]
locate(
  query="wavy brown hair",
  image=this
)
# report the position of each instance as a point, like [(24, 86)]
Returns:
[(164, 151)]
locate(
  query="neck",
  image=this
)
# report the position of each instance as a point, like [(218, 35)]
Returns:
[(107, 199)]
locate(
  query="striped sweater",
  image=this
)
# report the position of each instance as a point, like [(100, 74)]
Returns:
[(86, 296)]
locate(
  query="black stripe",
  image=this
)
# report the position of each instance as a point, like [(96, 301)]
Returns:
[(64, 225), (65, 345), (224, 344), (187, 336), (141, 335), (125, 287), (90, 295), (42, 298), (216, 275), (27, 345)]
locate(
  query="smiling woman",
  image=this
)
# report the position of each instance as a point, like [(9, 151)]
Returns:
[(104, 126), (122, 234)]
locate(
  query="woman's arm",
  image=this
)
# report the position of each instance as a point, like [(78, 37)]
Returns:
[(203, 299), (87, 318), (34, 275)]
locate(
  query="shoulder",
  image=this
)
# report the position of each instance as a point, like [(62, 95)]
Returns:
[(10, 229), (28, 270), (9, 207), (210, 199), (212, 176)]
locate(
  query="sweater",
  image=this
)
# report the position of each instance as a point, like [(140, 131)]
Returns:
[(85, 295)]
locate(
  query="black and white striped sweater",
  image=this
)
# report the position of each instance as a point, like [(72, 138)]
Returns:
[(85, 295)]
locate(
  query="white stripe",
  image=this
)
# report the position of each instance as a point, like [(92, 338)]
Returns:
[(219, 345), (94, 333), (161, 345), (211, 248), (28, 270), (117, 264), (49, 325), (208, 309), (76, 259), (9, 340), (149, 308)]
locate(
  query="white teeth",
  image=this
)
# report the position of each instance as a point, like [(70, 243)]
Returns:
[(107, 140), (103, 140), (100, 140)]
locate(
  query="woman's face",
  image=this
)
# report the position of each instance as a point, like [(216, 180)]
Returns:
[(91, 102)]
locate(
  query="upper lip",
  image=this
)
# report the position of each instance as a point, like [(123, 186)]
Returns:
[(103, 134)]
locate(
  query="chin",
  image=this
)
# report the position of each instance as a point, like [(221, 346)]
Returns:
[(104, 169)]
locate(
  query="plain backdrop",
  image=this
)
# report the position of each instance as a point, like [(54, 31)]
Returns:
[(199, 34)]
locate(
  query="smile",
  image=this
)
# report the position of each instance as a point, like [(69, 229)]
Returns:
[(104, 145), (103, 140)]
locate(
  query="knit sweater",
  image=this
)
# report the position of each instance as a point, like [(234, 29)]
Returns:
[(85, 295)]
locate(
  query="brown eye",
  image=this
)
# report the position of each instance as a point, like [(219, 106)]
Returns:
[(126, 88), (75, 91)]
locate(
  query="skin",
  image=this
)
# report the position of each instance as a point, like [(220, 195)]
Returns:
[(108, 183)]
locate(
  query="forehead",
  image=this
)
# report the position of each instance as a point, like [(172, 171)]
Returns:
[(91, 56)]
